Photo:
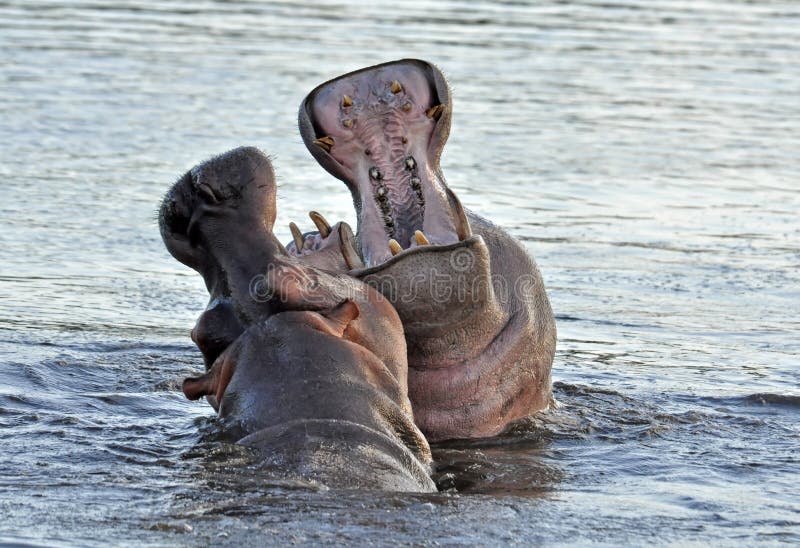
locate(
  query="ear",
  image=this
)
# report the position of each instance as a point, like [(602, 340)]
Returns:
[(335, 320), (216, 380), (195, 388)]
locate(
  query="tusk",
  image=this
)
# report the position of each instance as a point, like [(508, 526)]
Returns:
[(394, 247), (347, 101), (322, 225), (348, 247), (396, 87), (463, 229), (297, 236), (420, 238)]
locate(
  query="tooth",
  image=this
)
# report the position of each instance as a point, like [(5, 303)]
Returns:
[(322, 225), (396, 87), (283, 250), (410, 163), (415, 182), (375, 173), (420, 238), (463, 229), (297, 236), (325, 143), (348, 247), (347, 122), (407, 106), (347, 101), (434, 112), (394, 247)]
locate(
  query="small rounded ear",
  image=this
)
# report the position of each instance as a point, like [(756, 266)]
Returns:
[(216, 380), (335, 320), (195, 388)]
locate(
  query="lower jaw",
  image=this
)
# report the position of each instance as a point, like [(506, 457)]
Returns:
[(441, 224), (439, 290), (380, 244)]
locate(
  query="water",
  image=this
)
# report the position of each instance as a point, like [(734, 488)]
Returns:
[(646, 152)]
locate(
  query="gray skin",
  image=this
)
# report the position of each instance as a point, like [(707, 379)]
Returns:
[(308, 363), (480, 330)]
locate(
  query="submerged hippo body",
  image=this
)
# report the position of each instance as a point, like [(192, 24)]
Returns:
[(318, 405), (308, 363), (480, 331)]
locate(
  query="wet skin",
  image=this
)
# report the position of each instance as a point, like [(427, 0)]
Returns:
[(480, 331), (308, 362)]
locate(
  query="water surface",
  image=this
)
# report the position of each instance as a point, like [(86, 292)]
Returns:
[(646, 153)]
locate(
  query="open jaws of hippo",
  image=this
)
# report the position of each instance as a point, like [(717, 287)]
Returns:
[(381, 131), (479, 327)]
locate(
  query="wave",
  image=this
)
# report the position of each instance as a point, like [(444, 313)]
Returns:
[(766, 398)]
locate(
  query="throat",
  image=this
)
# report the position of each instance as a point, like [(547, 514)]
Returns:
[(393, 178)]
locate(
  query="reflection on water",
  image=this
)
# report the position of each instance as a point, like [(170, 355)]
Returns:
[(645, 153)]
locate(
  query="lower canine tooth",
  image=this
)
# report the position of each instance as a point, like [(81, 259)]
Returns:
[(420, 238), (463, 228), (321, 224), (394, 247), (297, 236), (347, 246)]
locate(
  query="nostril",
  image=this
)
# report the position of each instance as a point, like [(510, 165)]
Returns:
[(207, 193)]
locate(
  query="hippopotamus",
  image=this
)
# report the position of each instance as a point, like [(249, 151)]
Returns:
[(478, 324), (307, 363)]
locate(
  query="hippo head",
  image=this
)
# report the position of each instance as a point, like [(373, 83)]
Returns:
[(381, 130), (218, 219), (200, 218), (233, 191)]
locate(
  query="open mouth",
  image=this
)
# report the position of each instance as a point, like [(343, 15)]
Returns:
[(381, 130)]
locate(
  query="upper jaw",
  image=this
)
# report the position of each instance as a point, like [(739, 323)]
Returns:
[(314, 129), (445, 224)]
